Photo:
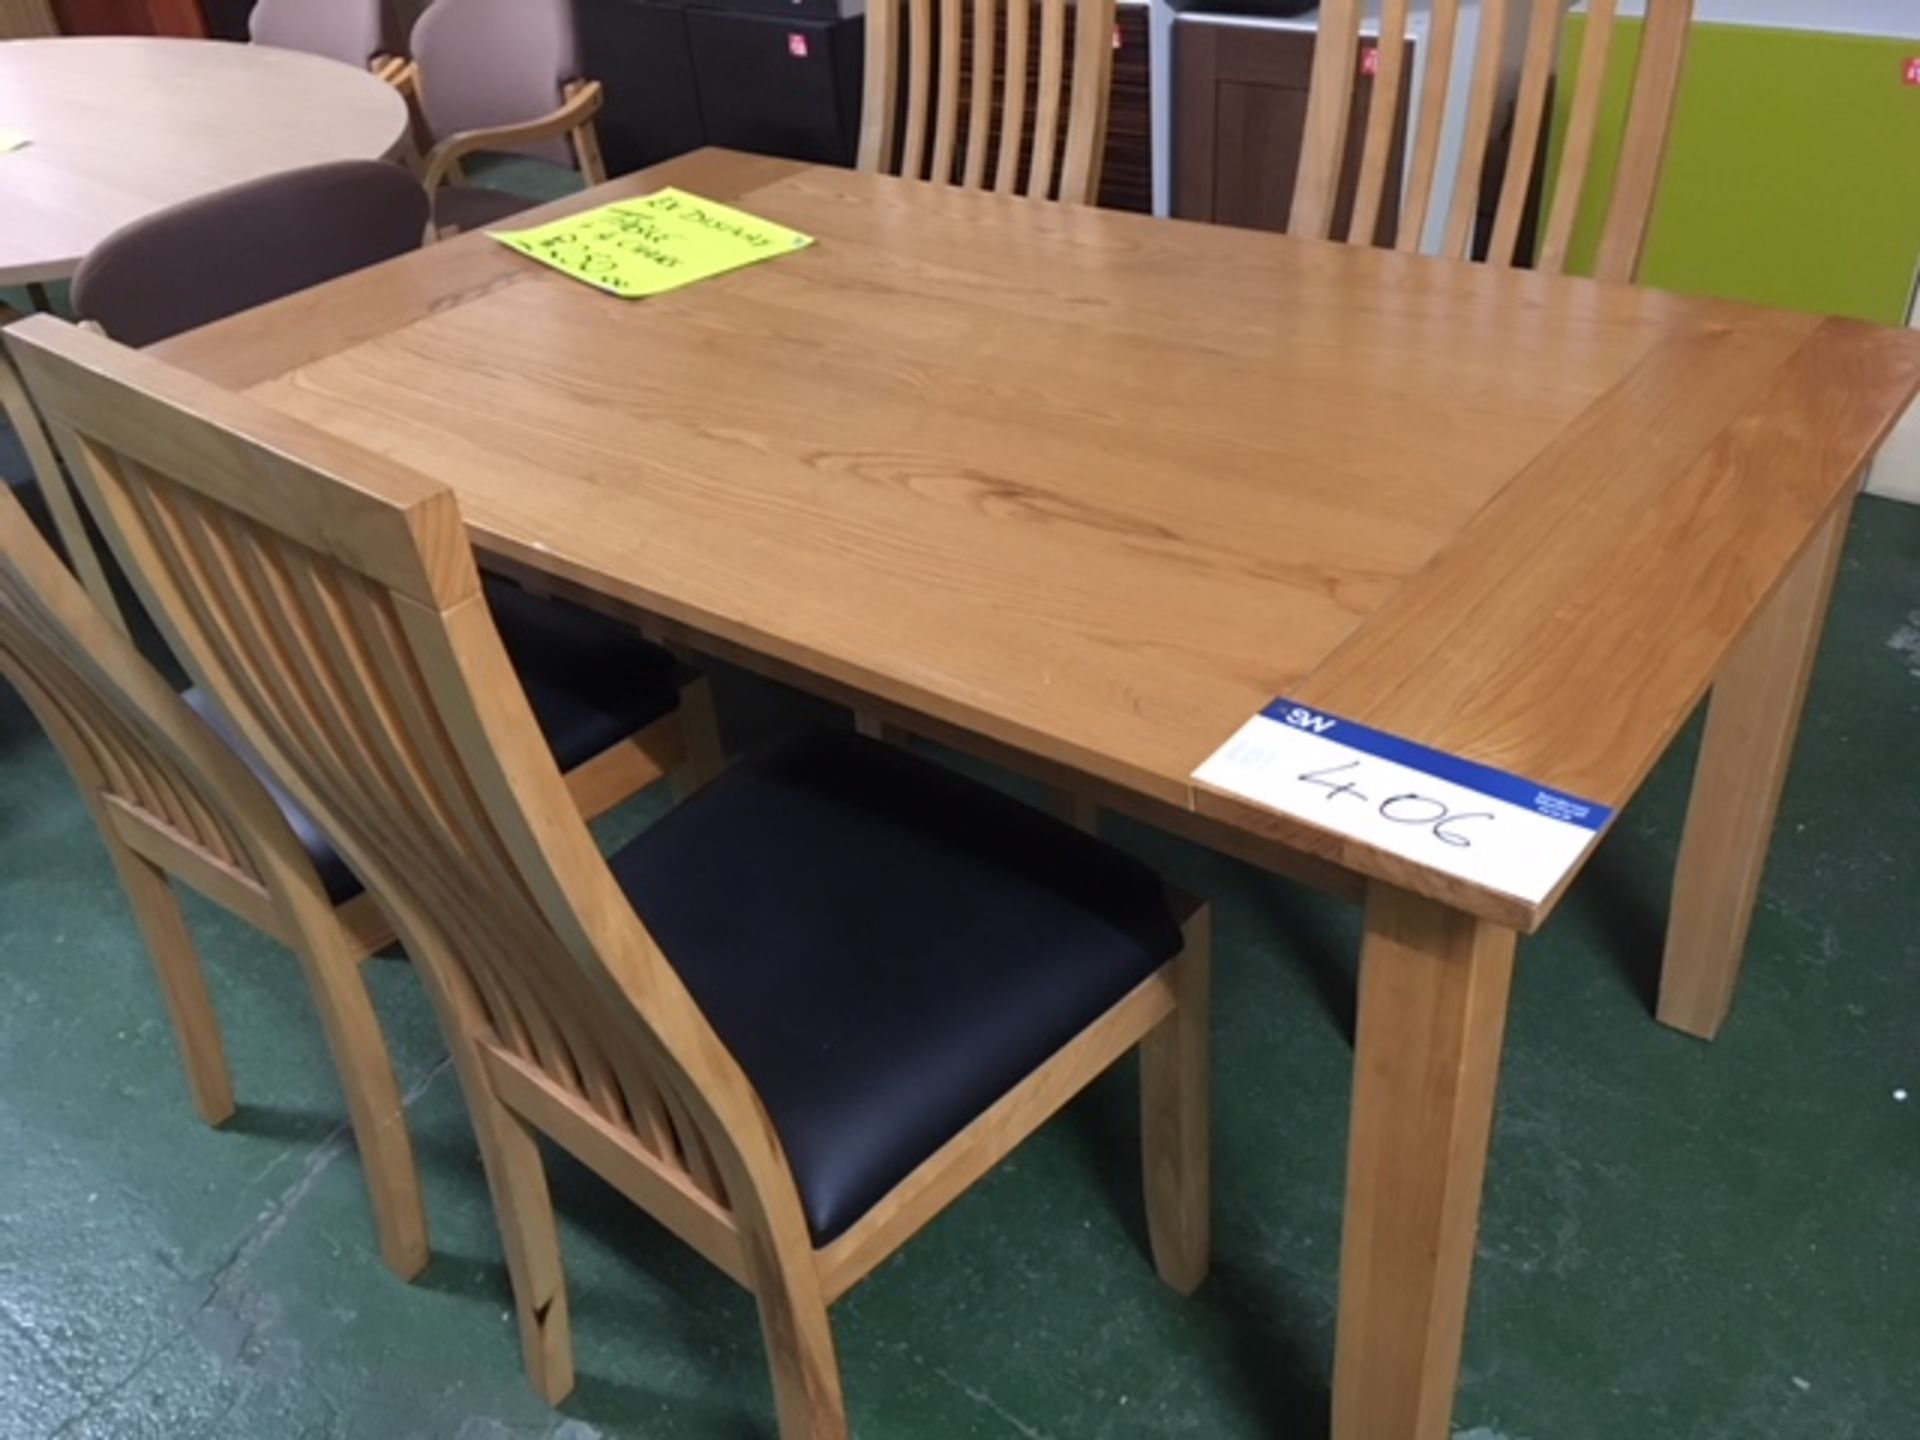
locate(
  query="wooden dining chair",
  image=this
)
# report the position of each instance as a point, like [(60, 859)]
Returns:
[(354, 32), (1001, 127), (178, 795), (493, 76), (601, 688), (174, 803), (1629, 204), (620, 713), (791, 1021), (204, 259)]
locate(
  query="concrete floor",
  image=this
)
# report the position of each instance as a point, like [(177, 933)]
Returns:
[(1680, 1241)]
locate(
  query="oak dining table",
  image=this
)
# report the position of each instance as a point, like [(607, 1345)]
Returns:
[(1082, 492)]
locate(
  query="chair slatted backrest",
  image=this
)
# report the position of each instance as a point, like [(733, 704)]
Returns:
[(127, 737), (1024, 120), (329, 600), (1629, 205)]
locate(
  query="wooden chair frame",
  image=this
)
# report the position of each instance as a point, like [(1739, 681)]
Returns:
[(227, 839), (174, 803), (1629, 207), (563, 1016), (573, 120), (933, 102), (684, 747)]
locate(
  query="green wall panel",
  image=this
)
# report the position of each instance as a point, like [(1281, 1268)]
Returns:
[(1793, 177)]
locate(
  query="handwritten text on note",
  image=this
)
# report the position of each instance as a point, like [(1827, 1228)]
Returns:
[(1474, 822), (659, 242)]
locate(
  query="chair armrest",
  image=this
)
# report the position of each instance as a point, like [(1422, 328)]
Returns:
[(583, 102)]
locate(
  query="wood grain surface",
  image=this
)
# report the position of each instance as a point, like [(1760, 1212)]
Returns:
[(1095, 487)]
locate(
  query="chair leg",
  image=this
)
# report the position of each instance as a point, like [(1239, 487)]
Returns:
[(799, 1339), (1174, 1121), (183, 984), (331, 961), (523, 1208), (516, 1176), (700, 732)]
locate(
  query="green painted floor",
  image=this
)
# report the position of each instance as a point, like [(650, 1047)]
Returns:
[(1680, 1241)]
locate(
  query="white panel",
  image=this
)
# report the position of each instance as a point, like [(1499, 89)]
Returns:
[(1896, 473), (1895, 18)]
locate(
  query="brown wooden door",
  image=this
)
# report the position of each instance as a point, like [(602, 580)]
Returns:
[(131, 17), (1240, 113)]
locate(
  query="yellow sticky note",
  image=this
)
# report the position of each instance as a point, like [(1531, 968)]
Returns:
[(11, 140), (659, 242)]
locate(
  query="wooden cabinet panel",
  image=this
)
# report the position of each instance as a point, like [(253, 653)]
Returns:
[(640, 55), (1240, 111), (1126, 180), (131, 17), (1126, 176), (228, 19), (26, 20)]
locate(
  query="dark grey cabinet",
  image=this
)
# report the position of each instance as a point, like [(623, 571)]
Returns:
[(779, 85), (641, 56)]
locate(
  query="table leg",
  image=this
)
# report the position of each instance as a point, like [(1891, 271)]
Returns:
[(1751, 723), (1433, 1011)]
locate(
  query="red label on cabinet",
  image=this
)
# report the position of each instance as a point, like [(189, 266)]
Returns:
[(1370, 60), (1913, 71), (797, 46)]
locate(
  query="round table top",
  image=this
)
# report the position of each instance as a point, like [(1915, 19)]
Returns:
[(119, 127)]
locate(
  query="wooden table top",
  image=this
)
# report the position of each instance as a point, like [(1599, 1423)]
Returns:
[(121, 127), (1098, 487)]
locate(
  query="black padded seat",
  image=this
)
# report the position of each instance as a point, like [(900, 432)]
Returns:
[(591, 681), (886, 948)]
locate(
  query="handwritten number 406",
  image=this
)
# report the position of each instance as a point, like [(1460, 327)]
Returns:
[(1407, 808)]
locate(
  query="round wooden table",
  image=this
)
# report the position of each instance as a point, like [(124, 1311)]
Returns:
[(118, 128)]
